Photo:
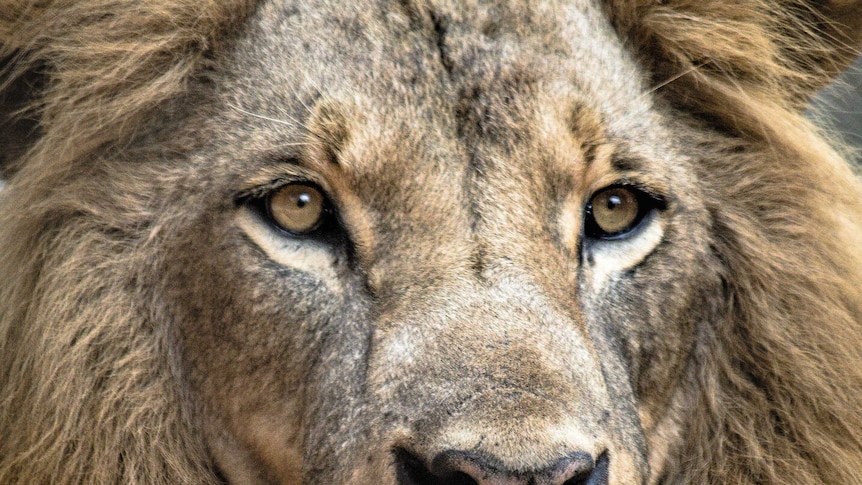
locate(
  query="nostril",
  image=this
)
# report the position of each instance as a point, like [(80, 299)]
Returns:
[(410, 470), (468, 468), (575, 469), (598, 475), (572, 470)]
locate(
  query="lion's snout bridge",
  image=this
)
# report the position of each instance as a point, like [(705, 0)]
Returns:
[(503, 389), (458, 467)]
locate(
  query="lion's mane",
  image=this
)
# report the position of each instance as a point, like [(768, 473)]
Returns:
[(89, 389), (779, 373)]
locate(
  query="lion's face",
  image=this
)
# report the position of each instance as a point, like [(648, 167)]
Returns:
[(462, 240), (426, 242)]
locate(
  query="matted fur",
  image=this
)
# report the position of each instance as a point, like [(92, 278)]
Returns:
[(90, 386)]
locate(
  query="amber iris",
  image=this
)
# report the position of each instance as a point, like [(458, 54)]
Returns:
[(297, 208), (615, 210)]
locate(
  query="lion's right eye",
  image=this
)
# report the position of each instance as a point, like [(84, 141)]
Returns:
[(297, 208), (616, 211)]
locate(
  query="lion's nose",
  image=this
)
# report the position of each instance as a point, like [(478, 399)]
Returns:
[(467, 468)]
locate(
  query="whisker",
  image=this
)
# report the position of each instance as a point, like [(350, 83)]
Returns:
[(676, 77), (292, 123), (292, 144)]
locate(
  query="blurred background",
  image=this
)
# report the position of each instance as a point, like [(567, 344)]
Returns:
[(839, 108)]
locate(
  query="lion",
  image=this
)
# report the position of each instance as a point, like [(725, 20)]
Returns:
[(412, 242)]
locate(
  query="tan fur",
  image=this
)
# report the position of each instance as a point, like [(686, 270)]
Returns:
[(153, 331)]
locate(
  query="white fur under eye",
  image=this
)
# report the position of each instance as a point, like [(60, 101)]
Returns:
[(300, 254), (607, 259)]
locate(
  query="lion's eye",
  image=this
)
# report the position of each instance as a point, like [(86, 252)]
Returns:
[(297, 208), (615, 211)]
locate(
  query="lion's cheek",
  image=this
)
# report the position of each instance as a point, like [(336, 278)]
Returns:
[(247, 338), (257, 448)]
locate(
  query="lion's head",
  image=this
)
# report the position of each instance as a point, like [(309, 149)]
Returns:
[(426, 242)]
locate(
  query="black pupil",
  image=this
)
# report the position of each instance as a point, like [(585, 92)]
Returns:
[(303, 200), (614, 201)]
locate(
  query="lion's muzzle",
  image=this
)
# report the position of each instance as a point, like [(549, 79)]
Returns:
[(499, 388)]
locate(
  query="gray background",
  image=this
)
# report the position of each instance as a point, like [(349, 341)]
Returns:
[(839, 108)]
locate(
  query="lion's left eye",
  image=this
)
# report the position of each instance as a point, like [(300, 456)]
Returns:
[(614, 212), (297, 208)]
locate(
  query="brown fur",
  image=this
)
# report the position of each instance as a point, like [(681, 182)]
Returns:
[(141, 337)]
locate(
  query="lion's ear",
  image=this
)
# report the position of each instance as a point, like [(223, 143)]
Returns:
[(19, 122), (777, 48)]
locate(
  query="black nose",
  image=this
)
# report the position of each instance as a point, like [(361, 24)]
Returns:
[(468, 468)]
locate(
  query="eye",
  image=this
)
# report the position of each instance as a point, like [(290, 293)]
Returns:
[(297, 208), (615, 211)]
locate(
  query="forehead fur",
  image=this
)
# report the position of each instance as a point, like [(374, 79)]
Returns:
[(123, 59)]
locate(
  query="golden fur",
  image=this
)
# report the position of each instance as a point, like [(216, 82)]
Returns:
[(94, 389)]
